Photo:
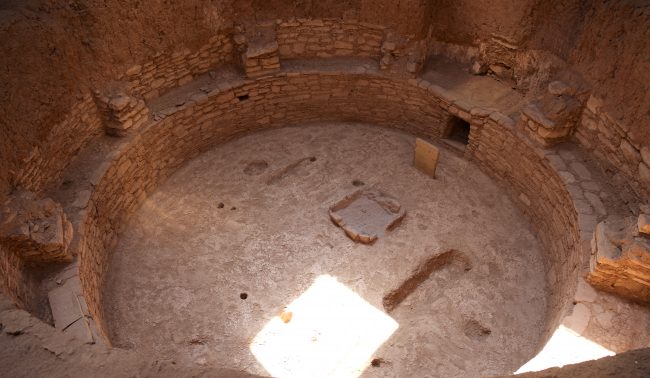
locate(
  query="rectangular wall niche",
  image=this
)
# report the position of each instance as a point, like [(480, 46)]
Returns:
[(456, 133)]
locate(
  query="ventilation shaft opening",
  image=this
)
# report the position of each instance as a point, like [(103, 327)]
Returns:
[(457, 132)]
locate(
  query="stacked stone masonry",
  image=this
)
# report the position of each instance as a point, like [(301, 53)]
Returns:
[(540, 128), (287, 98), (122, 113), (326, 38), (608, 139), (46, 162), (553, 117), (261, 59), (542, 194), (153, 78), (16, 279), (620, 261), (37, 230)]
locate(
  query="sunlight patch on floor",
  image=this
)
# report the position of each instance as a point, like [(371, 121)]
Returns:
[(565, 347), (333, 332)]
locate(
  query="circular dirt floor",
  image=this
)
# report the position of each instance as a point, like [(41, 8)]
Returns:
[(235, 262)]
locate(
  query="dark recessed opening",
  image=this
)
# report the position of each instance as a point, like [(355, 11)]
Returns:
[(243, 97), (457, 130), (243, 295)]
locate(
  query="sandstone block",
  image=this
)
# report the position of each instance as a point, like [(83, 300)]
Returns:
[(426, 157), (69, 311), (119, 102), (37, 230), (134, 70), (123, 112), (620, 262), (643, 224)]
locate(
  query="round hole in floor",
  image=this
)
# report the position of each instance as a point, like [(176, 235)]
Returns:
[(358, 183), (243, 296)]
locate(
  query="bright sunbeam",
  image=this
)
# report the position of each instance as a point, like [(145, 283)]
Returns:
[(564, 348), (333, 332)]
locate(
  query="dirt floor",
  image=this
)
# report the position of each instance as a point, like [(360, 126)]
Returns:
[(239, 244)]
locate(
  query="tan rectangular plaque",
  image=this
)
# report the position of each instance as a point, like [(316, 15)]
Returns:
[(426, 157)]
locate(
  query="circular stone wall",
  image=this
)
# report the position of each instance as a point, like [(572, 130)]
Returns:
[(213, 257), (140, 162)]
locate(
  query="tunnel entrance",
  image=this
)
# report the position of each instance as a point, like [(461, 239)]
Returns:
[(457, 132)]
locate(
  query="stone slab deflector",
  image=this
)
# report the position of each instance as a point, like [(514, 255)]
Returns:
[(426, 157), (367, 214)]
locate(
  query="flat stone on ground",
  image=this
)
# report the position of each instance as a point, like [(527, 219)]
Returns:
[(366, 214)]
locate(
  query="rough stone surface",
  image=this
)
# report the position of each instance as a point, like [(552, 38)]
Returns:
[(122, 113), (620, 260), (643, 224), (37, 230)]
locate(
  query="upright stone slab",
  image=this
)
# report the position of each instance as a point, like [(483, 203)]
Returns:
[(426, 157)]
